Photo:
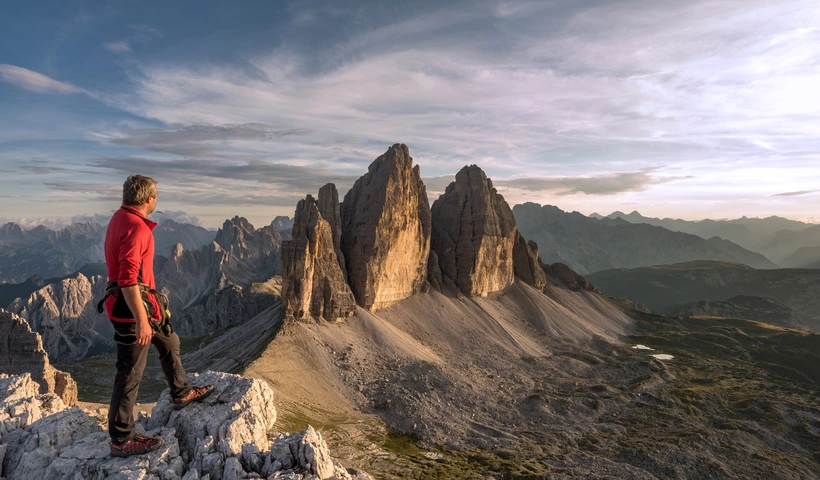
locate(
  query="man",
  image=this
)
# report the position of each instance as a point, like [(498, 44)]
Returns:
[(134, 309)]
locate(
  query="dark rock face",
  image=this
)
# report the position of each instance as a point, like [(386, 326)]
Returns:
[(474, 234), (560, 273), (434, 272), (223, 309), (23, 352), (330, 210), (386, 231), (527, 264), (313, 284)]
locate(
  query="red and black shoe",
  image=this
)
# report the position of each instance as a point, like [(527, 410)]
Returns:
[(195, 394), (138, 445)]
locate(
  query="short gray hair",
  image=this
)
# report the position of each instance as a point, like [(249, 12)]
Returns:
[(138, 189)]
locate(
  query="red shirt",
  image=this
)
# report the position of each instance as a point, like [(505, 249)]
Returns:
[(129, 246)]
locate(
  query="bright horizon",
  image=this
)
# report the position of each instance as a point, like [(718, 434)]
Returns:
[(691, 110)]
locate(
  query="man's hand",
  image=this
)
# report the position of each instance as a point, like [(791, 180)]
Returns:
[(134, 301), (144, 332)]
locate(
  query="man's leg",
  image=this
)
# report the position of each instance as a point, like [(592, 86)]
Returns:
[(130, 366), (168, 348)]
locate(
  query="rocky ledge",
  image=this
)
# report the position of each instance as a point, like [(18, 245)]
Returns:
[(227, 436)]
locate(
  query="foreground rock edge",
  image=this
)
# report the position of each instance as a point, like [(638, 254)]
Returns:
[(229, 435)]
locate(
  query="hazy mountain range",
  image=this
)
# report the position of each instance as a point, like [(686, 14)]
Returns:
[(777, 238), (590, 244)]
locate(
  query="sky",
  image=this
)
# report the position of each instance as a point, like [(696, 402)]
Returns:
[(697, 109)]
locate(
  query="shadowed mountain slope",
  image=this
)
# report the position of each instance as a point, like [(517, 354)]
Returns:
[(590, 245), (662, 287)]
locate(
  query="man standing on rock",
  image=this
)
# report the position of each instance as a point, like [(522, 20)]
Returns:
[(139, 317)]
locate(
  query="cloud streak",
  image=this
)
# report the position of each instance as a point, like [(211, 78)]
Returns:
[(794, 194), (36, 82)]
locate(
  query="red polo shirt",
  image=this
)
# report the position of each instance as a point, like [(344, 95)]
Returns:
[(129, 246)]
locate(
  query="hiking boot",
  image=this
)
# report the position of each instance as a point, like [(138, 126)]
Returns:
[(195, 394), (138, 445)]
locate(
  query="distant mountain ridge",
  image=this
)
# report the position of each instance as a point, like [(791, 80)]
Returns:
[(56, 253), (664, 288), (589, 245), (774, 237)]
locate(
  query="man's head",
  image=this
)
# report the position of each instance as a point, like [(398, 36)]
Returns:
[(140, 191)]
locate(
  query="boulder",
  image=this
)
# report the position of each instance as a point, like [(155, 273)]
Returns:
[(313, 283), (527, 265), (474, 234), (23, 353), (386, 231)]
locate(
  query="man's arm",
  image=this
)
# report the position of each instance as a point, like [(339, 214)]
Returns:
[(134, 301)]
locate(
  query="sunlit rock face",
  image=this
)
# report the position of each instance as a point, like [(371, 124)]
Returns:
[(64, 313), (386, 231), (313, 284), (473, 234)]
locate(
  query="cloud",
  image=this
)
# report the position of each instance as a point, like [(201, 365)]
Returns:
[(794, 194), (35, 82), (200, 140), (175, 215), (604, 184), (118, 47)]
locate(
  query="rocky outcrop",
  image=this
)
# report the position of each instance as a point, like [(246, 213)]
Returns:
[(474, 234), (561, 273), (313, 284), (330, 210), (434, 271), (169, 233), (208, 289), (223, 309), (527, 264), (386, 231), (22, 353), (64, 314), (225, 436), (253, 255)]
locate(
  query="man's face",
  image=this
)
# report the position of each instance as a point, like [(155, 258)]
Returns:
[(152, 204)]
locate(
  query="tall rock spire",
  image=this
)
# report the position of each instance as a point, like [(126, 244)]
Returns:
[(386, 231), (473, 234), (313, 285)]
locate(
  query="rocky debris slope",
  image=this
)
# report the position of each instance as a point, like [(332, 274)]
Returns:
[(22, 353), (65, 315), (386, 231), (473, 234), (227, 436), (233, 350), (313, 283)]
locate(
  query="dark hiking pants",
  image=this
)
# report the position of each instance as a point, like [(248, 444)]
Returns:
[(131, 360)]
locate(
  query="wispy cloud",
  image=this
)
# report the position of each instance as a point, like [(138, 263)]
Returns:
[(794, 194), (35, 82), (118, 47), (604, 184)]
